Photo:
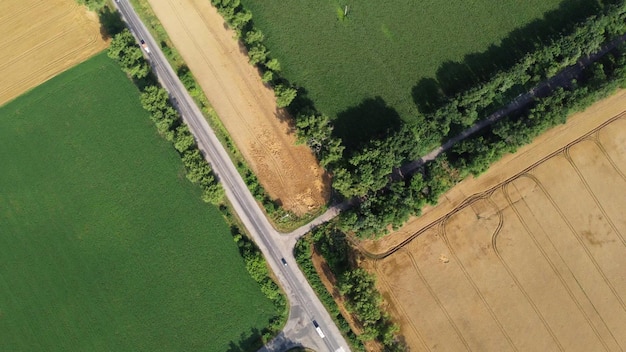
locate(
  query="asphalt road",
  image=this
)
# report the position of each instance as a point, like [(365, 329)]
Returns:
[(305, 307)]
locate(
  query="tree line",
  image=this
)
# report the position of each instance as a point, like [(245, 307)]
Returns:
[(240, 20), (389, 207), (356, 285), (156, 100)]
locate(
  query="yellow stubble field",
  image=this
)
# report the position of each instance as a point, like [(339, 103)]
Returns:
[(40, 39), (536, 262)]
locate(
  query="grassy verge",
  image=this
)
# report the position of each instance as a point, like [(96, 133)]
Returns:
[(283, 220)]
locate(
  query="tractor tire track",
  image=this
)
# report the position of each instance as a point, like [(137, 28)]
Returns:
[(555, 270), (474, 197), (276, 163), (438, 301), (608, 219), (577, 236), (397, 303), (444, 237)]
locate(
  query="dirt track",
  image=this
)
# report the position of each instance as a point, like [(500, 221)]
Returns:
[(40, 39), (534, 264), (244, 104)]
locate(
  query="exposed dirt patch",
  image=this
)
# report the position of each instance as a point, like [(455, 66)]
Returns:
[(534, 263), (40, 39), (247, 107)]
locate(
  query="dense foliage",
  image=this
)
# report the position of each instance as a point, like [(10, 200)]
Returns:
[(156, 100), (472, 156), (302, 252), (385, 48), (240, 20), (356, 285)]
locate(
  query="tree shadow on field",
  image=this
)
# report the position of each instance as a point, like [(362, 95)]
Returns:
[(371, 119), (248, 341), (455, 77), (110, 22)]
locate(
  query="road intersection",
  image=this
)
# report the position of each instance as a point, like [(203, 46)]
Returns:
[(305, 306)]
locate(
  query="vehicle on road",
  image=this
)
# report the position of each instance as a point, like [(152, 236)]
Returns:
[(145, 46), (282, 260), (318, 329)]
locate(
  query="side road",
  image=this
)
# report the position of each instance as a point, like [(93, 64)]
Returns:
[(305, 307)]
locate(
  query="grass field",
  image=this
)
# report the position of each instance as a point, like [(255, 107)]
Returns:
[(393, 50), (104, 245)]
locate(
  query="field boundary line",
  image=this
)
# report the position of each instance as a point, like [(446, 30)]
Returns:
[(398, 304), (470, 199), (33, 74), (446, 240), (277, 163), (576, 235), (569, 158)]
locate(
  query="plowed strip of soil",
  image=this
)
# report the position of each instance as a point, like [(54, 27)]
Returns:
[(247, 107), (41, 39)]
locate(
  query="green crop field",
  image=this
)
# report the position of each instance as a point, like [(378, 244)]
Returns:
[(369, 69), (104, 244)]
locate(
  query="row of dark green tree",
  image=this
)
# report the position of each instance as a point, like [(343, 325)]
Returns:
[(402, 198), (156, 100), (258, 269), (240, 20), (356, 285), (127, 53), (302, 252), (365, 170)]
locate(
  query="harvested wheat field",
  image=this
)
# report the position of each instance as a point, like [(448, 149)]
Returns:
[(246, 107), (535, 263), (41, 39)]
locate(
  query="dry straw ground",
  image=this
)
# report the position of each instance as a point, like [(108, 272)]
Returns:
[(531, 262), (40, 39), (246, 107)]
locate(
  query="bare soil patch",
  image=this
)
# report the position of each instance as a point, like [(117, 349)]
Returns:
[(246, 107), (40, 39), (534, 263)]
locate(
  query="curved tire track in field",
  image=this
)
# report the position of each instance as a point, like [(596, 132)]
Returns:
[(397, 303), (556, 272), (577, 236), (608, 157), (444, 237), (279, 171), (512, 275), (582, 179), (433, 294), (474, 197)]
